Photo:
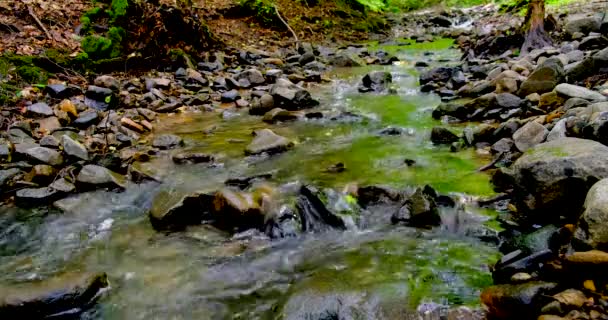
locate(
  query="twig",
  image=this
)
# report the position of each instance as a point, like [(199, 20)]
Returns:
[(276, 9), (33, 14)]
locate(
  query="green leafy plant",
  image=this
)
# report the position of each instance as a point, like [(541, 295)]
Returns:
[(261, 9)]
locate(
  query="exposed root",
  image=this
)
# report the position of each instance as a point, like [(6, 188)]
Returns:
[(40, 24), (276, 9)]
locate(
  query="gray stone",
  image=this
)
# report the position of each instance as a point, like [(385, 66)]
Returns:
[(59, 295), (266, 141), (344, 60), (440, 135), (157, 83), (376, 81), (583, 25), (44, 155), (100, 177), (74, 148), (35, 196), (529, 135), (167, 141), (230, 96), (553, 178), (572, 91), (6, 176), (592, 229), (62, 185), (508, 101), (106, 81), (253, 76), (99, 98), (39, 109), (559, 130), (86, 119), (544, 78)]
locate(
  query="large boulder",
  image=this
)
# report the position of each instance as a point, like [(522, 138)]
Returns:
[(64, 294), (552, 179), (544, 78), (236, 211), (583, 25), (592, 229)]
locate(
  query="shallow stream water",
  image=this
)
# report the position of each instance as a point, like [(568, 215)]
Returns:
[(374, 271)]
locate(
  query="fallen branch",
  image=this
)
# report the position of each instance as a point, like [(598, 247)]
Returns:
[(46, 31), (288, 27)]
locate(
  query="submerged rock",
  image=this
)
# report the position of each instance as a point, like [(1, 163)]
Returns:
[(67, 294), (235, 210), (167, 141), (266, 141)]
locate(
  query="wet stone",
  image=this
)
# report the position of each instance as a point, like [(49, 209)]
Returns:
[(167, 141), (100, 177), (266, 141), (86, 119), (44, 155), (192, 157), (34, 197)]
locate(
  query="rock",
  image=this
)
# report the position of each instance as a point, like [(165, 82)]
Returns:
[(592, 258), (572, 91), (30, 197), (266, 141), (530, 135), (559, 130), (175, 211), (86, 119), (99, 98), (508, 101), (592, 229), (503, 145), (344, 60), (106, 81), (440, 74), (94, 176), (6, 176), (593, 42), (441, 21), (314, 215), (61, 91), (571, 299), (48, 125), (192, 157), (44, 155), (588, 67), (544, 78), (132, 125), (290, 97), (376, 81), (552, 179), (39, 109), (167, 141), (265, 104), (74, 148), (516, 301), (278, 114), (583, 25), (253, 76), (65, 294), (62, 185), (236, 211), (419, 210), (230, 96), (440, 135), (158, 83), (41, 174)]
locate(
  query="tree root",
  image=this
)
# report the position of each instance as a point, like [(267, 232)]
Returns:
[(276, 9)]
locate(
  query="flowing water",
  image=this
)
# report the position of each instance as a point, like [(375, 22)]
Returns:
[(374, 271)]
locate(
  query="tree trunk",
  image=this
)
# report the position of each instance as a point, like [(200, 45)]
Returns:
[(534, 27)]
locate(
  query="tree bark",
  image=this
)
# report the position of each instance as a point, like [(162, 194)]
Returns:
[(534, 27)]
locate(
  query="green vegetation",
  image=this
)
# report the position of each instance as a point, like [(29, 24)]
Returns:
[(263, 10)]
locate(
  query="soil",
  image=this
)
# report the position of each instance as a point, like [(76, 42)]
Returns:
[(324, 22)]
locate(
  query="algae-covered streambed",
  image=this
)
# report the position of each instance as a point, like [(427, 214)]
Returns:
[(376, 271)]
